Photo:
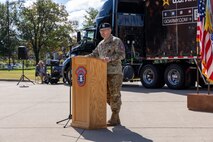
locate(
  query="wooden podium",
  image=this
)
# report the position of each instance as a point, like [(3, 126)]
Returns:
[(89, 93)]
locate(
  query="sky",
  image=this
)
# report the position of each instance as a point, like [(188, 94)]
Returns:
[(75, 8)]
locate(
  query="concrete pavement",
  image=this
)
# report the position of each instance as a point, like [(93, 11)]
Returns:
[(29, 114)]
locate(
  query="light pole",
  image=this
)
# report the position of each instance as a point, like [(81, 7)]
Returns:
[(8, 32)]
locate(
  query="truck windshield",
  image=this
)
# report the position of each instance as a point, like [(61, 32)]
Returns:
[(89, 35)]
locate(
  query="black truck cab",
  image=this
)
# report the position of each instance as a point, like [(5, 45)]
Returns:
[(127, 20)]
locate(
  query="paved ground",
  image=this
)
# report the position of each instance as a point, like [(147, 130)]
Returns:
[(29, 114)]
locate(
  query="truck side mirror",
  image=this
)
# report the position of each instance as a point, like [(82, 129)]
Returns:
[(78, 36)]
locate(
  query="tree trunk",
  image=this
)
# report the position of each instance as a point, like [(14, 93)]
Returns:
[(37, 57)]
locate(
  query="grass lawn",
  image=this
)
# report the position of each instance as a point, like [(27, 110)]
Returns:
[(16, 74)]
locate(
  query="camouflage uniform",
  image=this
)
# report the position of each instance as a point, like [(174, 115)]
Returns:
[(113, 48)]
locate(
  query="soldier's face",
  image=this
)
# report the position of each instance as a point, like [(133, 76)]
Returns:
[(105, 33)]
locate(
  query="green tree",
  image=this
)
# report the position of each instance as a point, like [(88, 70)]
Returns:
[(45, 27), (3, 25), (89, 17), (8, 36)]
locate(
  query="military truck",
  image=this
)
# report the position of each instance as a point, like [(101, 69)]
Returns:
[(159, 38)]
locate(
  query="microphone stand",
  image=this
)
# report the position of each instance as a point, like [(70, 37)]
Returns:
[(70, 115)]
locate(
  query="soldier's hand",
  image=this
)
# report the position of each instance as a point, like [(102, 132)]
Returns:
[(106, 59)]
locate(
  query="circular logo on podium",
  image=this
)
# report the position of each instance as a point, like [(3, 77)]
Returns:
[(81, 75)]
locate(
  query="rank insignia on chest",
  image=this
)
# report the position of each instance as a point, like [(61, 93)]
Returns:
[(81, 75)]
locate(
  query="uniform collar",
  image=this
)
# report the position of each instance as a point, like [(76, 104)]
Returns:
[(109, 39)]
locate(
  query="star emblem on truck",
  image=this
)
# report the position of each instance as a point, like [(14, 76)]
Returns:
[(165, 2)]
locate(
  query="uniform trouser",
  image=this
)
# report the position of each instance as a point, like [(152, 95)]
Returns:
[(114, 83)]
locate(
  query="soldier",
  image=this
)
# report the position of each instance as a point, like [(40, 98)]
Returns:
[(111, 50)]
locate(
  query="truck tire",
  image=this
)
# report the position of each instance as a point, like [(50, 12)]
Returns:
[(174, 76), (54, 81), (128, 73), (69, 75), (151, 77)]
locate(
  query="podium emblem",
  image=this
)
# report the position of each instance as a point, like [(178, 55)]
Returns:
[(81, 76)]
